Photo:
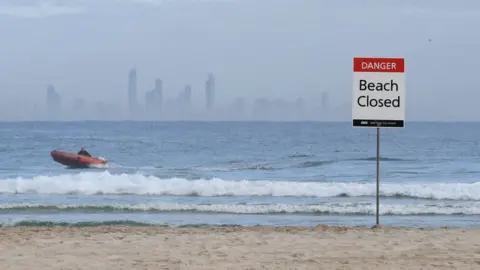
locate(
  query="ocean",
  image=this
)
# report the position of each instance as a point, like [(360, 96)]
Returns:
[(240, 173)]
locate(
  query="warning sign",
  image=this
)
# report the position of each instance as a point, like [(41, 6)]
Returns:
[(378, 92)]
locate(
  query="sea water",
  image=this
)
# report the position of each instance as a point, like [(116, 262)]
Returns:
[(241, 173)]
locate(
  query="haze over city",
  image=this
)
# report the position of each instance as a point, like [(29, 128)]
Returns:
[(230, 60)]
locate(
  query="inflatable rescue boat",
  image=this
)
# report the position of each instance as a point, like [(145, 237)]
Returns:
[(74, 160)]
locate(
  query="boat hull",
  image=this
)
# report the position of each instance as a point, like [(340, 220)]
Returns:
[(74, 160)]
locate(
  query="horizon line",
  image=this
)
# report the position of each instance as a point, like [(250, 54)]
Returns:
[(225, 121)]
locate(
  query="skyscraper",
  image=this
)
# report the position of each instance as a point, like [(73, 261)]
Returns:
[(158, 95), (210, 91), (53, 102), (154, 100), (188, 96), (132, 92)]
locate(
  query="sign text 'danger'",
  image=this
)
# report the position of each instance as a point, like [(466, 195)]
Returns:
[(378, 64)]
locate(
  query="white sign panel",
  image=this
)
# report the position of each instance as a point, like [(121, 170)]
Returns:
[(378, 92)]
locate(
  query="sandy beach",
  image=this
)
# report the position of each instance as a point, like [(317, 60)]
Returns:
[(321, 247)]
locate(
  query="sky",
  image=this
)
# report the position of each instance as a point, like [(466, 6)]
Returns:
[(263, 48)]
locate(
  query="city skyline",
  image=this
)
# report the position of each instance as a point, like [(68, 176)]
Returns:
[(180, 107)]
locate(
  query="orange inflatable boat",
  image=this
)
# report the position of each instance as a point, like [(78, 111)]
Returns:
[(74, 160)]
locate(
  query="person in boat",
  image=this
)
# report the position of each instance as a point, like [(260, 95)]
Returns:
[(84, 152)]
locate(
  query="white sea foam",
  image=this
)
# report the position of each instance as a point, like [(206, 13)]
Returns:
[(90, 183), (472, 208)]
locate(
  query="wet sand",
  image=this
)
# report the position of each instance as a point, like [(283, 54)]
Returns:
[(321, 247)]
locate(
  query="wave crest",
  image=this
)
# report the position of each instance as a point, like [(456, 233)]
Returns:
[(92, 183), (314, 209)]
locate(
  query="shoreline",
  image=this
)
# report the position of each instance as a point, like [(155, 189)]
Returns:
[(114, 223), (238, 247), (160, 228)]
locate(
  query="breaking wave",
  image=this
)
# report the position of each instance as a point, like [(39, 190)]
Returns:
[(315, 209), (97, 183)]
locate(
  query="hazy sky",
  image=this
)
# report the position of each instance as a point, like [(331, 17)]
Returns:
[(275, 48)]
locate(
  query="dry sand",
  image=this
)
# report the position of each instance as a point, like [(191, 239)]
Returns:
[(238, 248)]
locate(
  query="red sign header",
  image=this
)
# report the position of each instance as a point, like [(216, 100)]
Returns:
[(365, 64)]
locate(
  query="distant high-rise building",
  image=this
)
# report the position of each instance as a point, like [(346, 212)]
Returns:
[(158, 95), (154, 100), (132, 91), (158, 85), (188, 96), (207, 94), (53, 102), (210, 91)]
